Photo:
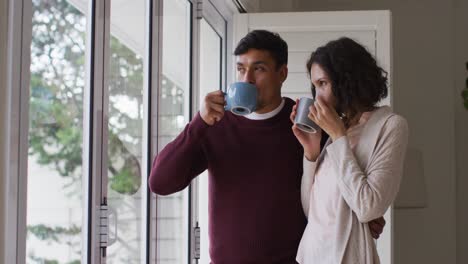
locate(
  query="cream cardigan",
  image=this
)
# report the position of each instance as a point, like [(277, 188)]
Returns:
[(369, 182)]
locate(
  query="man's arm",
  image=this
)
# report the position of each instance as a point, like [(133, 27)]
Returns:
[(180, 161), (183, 159), (376, 227)]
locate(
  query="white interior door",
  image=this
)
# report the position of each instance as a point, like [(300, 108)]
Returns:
[(306, 31)]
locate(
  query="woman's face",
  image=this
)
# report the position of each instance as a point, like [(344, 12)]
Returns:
[(322, 84)]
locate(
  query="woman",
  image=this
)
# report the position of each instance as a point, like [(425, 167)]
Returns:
[(357, 175)]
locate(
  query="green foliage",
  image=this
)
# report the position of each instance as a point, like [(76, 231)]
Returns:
[(56, 103), (57, 234), (43, 260), (49, 261), (43, 232), (123, 181), (56, 109)]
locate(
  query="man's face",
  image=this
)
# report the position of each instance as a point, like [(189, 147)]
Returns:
[(259, 68)]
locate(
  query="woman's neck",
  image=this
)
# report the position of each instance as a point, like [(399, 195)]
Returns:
[(354, 120)]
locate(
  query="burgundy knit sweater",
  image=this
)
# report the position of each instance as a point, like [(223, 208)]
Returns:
[(255, 169)]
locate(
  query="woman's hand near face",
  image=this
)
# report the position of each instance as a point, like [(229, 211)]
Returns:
[(327, 118), (309, 141)]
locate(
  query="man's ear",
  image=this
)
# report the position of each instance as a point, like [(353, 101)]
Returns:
[(283, 72)]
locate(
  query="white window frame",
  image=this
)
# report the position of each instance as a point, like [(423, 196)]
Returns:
[(154, 66), (219, 15), (94, 128), (16, 130), (97, 108)]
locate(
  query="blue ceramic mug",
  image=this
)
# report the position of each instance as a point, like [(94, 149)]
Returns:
[(302, 120), (241, 98)]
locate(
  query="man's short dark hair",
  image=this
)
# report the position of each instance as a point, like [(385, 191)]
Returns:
[(264, 40)]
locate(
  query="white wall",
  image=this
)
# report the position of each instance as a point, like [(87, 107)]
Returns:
[(3, 157), (461, 128), (424, 87)]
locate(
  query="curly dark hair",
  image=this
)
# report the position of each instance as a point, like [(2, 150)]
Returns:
[(357, 82), (264, 40)]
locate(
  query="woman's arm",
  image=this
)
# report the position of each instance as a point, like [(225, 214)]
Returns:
[(307, 181), (370, 194)]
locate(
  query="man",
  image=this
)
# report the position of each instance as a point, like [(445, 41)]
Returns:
[(254, 163)]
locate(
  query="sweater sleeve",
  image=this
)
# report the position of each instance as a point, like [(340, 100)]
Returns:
[(370, 193), (307, 180), (180, 161)]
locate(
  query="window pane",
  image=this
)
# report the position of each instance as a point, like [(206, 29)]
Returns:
[(54, 213), (210, 80), (124, 192), (173, 114)]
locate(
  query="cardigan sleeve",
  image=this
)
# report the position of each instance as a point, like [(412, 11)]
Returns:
[(306, 183), (370, 191)]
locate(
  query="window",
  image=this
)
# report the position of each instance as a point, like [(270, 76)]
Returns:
[(173, 114), (210, 80), (90, 130), (125, 173), (54, 212)]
